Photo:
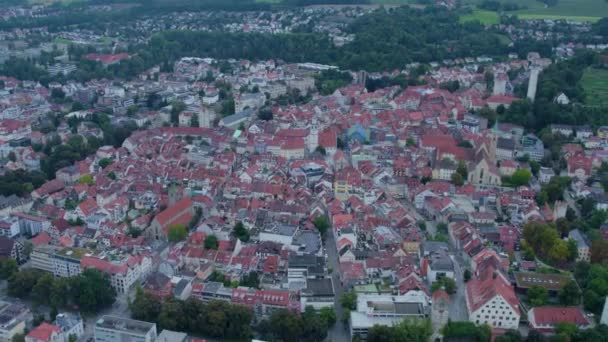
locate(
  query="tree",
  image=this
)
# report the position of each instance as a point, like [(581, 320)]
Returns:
[(457, 179), (250, 280), (521, 177), (285, 325), (105, 162), (176, 108), (570, 294), (92, 290), (211, 242), (265, 114), (20, 285), (194, 121), (177, 232), (510, 336), (538, 296), (462, 169), (240, 231), (566, 328), (416, 330), (599, 251), (467, 275), (322, 224), (448, 284), (41, 292), (348, 300), (86, 179), (329, 315), (8, 267)]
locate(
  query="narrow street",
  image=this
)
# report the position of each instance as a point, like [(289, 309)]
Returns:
[(340, 332)]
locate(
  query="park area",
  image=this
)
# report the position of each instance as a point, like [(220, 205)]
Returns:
[(579, 10), (595, 84)]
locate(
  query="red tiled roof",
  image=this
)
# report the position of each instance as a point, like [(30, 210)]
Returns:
[(543, 316), (168, 215), (44, 332)]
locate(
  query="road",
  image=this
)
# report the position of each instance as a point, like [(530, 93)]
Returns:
[(340, 331), (458, 305)]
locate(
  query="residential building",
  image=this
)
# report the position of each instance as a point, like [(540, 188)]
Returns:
[(45, 332), (584, 253), (13, 320), (43, 258), (117, 329), (70, 325), (172, 336), (10, 248), (124, 270), (66, 262)]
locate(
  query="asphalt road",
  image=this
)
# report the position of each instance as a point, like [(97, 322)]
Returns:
[(340, 332)]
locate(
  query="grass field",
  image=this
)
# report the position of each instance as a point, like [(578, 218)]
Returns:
[(484, 17), (586, 10), (62, 41), (595, 83)]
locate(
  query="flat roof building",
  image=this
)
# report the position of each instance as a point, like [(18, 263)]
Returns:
[(118, 329)]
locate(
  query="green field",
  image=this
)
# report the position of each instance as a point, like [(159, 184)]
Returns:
[(62, 41), (484, 17), (582, 10), (595, 83)]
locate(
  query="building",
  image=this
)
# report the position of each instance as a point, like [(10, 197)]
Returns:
[(118, 329), (545, 174), (491, 300), (45, 332), (10, 248), (584, 253), (66, 262), (319, 293), (124, 271), (551, 281), (9, 226), (544, 319), (13, 319), (438, 265), (179, 213), (42, 257), (172, 336), (386, 310), (303, 267), (70, 325)]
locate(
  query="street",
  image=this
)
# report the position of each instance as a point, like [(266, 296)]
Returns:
[(340, 332)]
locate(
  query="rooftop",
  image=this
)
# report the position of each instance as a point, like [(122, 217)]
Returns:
[(549, 281), (124, 324)]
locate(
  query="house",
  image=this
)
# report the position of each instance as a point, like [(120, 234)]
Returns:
[(70, 325), (13, 320), (565, 130), (10, 248), (505, 149), (544, 319), (584, 253), (545, 174), (438, 265), (45, 332), (173, 336), (579, 166)]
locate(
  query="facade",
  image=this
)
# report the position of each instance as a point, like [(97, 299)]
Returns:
[(491, 300), (42, 258), (117, 329), (66, 262)]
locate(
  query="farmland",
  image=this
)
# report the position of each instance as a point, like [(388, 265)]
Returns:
[(595, 83)]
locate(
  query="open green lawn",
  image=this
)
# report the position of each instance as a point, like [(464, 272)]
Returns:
[(62, 41), (484, 17), (595, 83), (584, 10)]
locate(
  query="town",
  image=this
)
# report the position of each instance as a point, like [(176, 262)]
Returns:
[(153, 190)]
